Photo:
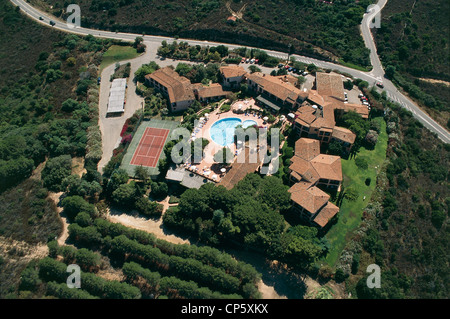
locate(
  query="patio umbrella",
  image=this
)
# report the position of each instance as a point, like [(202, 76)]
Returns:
[(214, 176), (223, 170), (265, 118), (206, 115), (201, 119), (291, 115), (207, 173), (193, 167)]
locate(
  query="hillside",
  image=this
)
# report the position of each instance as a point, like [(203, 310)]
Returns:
[(405, 226), (413, 41), (312, 27)]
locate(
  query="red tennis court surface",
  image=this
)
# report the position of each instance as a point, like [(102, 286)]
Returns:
[(150, 147)]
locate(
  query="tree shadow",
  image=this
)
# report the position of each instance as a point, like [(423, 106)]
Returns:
[(285, 282)]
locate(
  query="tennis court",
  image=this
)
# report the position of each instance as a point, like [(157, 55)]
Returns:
[(147, 146), (150, 147)]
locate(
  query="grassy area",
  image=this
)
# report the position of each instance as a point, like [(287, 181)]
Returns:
[(355, 66), (351, 211), (117, 53)]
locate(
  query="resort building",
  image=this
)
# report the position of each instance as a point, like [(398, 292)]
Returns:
[(308, 170), (276, 92), (232, 76), (176, 88), (211, 93), (316, 117)]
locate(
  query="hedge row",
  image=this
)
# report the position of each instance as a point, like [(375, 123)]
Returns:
[(51, 270), (152, 282), (207, 255), (186, 268)]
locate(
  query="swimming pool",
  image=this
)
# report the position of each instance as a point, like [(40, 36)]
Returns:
[(222, 131)]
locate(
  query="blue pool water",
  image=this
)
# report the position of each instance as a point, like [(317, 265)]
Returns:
[(222, 131)]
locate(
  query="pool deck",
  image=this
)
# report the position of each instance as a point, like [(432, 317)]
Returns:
[(207, 167)]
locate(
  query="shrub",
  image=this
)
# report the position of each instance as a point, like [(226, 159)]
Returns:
[(361, 162)]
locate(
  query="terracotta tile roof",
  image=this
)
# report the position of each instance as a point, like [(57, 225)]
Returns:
[(231, 71), (305, 114), (307, 148), (328, 167), (325, 214), (329, 84), (279, 86), (178, 87), (324, 118), (309, 197), (358, 108), (213, 90), (311, 165), (343, 134), (315, 98), (304, 169)]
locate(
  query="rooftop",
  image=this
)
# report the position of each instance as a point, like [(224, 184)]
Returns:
[(329, 84), (309, 197), (231, 71), (178, 87), (281, 87), (117, 96), (343, 134), (213, 90)]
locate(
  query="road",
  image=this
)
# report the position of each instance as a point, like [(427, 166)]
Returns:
[(376, 75)]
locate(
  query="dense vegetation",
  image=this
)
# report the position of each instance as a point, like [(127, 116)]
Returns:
[(316, 28), (250, 214), (405, 227), (413, 44)]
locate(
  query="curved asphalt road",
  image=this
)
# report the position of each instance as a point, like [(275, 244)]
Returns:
[(376, 75)]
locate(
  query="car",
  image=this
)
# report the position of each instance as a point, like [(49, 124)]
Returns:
[(286, 67), (257, 61), (305, 73), (379, 84), (52, 23), (247, 61), (360, 95), (243, 60), (290, 69), (98, 80), (280, 65), (294, 70), (41, 18)]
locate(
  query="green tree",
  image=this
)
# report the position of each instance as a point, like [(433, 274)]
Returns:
[(55, 170)]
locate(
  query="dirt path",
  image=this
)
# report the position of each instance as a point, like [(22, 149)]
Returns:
[(149, 225), (435, 81), (65, 232)]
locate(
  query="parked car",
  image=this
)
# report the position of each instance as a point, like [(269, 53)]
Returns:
[(257, 61), (41, 18), (243, 60), (360, 95), (247, 61), (290, 69), (280, 65), (52, 23), (379, 84), (305, 73), (98, 80)]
